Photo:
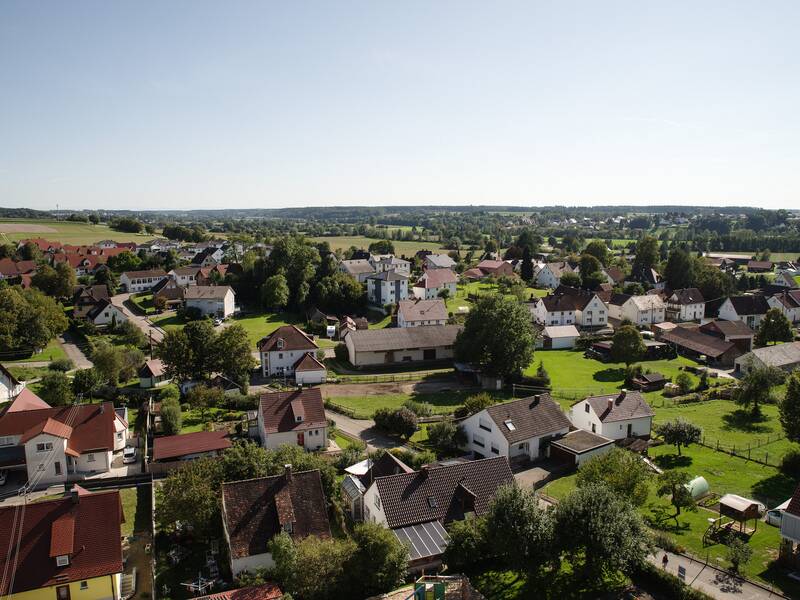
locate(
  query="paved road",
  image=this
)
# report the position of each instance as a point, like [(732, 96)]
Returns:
[(712, 581), (142, 322), (73, 352), (363, 429)]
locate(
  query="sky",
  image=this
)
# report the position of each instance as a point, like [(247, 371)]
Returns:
[(234, 104)]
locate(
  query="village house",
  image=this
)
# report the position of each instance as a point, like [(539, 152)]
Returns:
[(256, 510), (686, 305), (88, 297), (570, 306), (387, 287), (153, 374), (788, 302), (549, 275), (415, 313), (417, 505), (558, 337), (10, 269), (789, 553), (578, 446), (283, 349), (69, 548), (170, 290), (438, 261), (495, 268), (56, 445), (748, 308), (781, 356), (208, 257), (433, 281), (212, 300), (10, 387), (614, 416), (639, 310), (358, 269), (105, 314), (173, 451), (185, 276), (309, 371), (296, 418), (760, 266), (359, 477), (387, 262), (785, 279), (649, 278), (375, 347), (140, 281), (519, 430)]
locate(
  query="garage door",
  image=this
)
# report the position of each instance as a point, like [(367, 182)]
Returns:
[(561, 456)]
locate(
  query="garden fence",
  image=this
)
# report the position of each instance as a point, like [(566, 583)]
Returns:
[(391, 377), (749, 451)]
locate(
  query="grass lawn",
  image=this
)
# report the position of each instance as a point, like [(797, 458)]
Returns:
[(407, 249), (169, 321), (66, 232), (573, 376), (444, 403), (144, 302), (194, 421), (136, 508), (53, 351), (23, 373)]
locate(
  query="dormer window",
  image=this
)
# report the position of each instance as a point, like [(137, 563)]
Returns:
[(62, 561), (279, 344), (298, 419), (288, 527)]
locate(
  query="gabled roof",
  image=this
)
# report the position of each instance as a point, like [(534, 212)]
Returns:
[(207, 292), (615, 274), (749, 305), (780, 355), (697, 341), (265, 591), (794, 503), (422, 310), (25, 400), (619, 299), (49, 427), (175, 446), (625, 405), (401, 338), (387, 464), (389, 276), (559, 268), (648, 302), (184, 271), (8, 375), (441, 261), (254, 509), (357, 266), (308, 362), (86, 526), (529, 417), (293, 339), (561, 331), (444, 493), (434, 278), (730, 329), (490, 265), (281, 409), (760, 264), (144, 274), (686, 296)]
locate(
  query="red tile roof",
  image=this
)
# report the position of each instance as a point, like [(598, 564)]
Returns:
[(49, 426), (94, 539), (26, 400), (308, 363), (293, 339), (278, 410), (266, 591), (175, 446), (434, 278), (253, 510), (92, 424), (794, 503)]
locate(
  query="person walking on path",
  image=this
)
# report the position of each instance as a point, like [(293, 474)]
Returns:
[(664, 561)]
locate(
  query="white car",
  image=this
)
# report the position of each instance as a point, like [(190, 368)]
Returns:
[(129, 455), (217, 322)]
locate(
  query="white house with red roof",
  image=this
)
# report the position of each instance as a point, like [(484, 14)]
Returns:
[(295, 418), (56, 445), (433, 281), (10, 386), (283, 350), (308, 371), (615, 416)]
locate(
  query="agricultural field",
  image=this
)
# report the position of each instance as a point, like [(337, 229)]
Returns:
[(444, 403), (66, 232), (406, 249)]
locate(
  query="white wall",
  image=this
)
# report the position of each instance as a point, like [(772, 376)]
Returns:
[(615, 430), (472, 427), (252, 563), (582, 458), (7, 390), (313, 439), (138, 284), (594, 314), (310, 377), (109, 314), (401, 322), (374, 513), (46, 458), (281, 362), (433, 293), (214, 307), (362, 358)]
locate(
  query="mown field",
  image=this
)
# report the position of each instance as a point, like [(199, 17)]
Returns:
[(406, 249), (66, 232)]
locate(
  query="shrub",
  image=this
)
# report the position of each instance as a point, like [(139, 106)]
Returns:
[(62, 364), (446, 436), (738, 553), (474, 404), (340, 352), (631, 373), (421, 409), (684, 382), (401, 422), (790, 463)]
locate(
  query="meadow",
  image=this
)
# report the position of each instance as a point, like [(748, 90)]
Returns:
[(66, 232), (402, 248)]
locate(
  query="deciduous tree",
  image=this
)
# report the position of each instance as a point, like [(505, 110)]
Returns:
[(622, 471), (774, 327), (679, 433), (673, 484), (627, 345), (790, 408)]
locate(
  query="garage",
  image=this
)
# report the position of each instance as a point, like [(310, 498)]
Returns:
[(578, 446)]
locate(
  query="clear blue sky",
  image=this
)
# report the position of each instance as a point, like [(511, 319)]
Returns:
[(265, 104)]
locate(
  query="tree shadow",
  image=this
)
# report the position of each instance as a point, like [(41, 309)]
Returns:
[(673, 461), (663, 518), (743, 420), (774, 489), (610, 375)]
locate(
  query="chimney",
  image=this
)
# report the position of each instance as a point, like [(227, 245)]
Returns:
[(622, 395), (424, 469), (287, 472), (610, 403)]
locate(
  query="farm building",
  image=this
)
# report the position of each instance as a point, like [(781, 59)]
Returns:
[(428, 343)]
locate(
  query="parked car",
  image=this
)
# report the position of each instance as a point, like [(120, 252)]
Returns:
[(775, 515), (217, 322), (129, 455)]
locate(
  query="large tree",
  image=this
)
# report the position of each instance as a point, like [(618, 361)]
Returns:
[(28, 319), (679, 271), (275, 292), (175, 352), (379, 562), (600, 532), (598, 249), (498, 336), (191, 495), (674, 484), (58, 281), (774, 327), (591, 272), (339, 293), (519, 531), (755, 388), (790, 408), (622, 471), (56, 389), (646, 254), (679, 433), (296, 259), (526, 269), (234, 355), (627, 345)]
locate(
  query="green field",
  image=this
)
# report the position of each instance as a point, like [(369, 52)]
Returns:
[(406, 249), (145, 302), (444, 403), (53, 351), (66, 232)]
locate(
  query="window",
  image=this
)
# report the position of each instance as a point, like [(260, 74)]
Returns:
[(586, 407), (432, 502), (495, 449), (44, 447), (84, 585), (288, 527), (119, 435), (477, 440), (57, 465), (90, 458), (377, 501), (484, 424), (594, 428), (62, 561), (6, 440), (280, 355), (40, 467), (510, 425)]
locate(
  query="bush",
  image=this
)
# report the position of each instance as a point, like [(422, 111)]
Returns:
[(62, 364), (738, 553), (421, 409), (631, 373), (684, 382), (474, 404), (171, 418), (401, 422), (446, 436), (654, 579), (340, 352), (415, 460), (790, 463)]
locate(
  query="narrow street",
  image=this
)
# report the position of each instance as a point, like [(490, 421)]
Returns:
[(141, 321), (363, 429)]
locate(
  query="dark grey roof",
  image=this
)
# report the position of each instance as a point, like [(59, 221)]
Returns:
[(525, 418), (383, 340), (425, 540), (625, 405), (442, 493), (686, 296), (697, 341), (580, 441), (749, 305), (388, 276)]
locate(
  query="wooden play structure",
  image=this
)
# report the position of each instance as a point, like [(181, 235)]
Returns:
[(734, 509)]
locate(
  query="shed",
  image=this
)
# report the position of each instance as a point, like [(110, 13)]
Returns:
[(559, 336), (578, 446)]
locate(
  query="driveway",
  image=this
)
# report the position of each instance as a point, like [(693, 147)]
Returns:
[(363, 429), (142, 322), (73, 352)]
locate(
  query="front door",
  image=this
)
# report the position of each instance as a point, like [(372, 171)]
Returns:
[(630, 429), (301, 439), (57, 465), (62, 592)]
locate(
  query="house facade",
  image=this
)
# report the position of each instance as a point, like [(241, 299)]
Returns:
[(283, 349), (642, 311), (433, 281), (686, 305), (140, 281), (296, 418), (520, 429), (105, 313), (387, 287), (10, 387), (416, 313), (213, 300), (614, 416), (549, 275), (749, 308), (570, 306)]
